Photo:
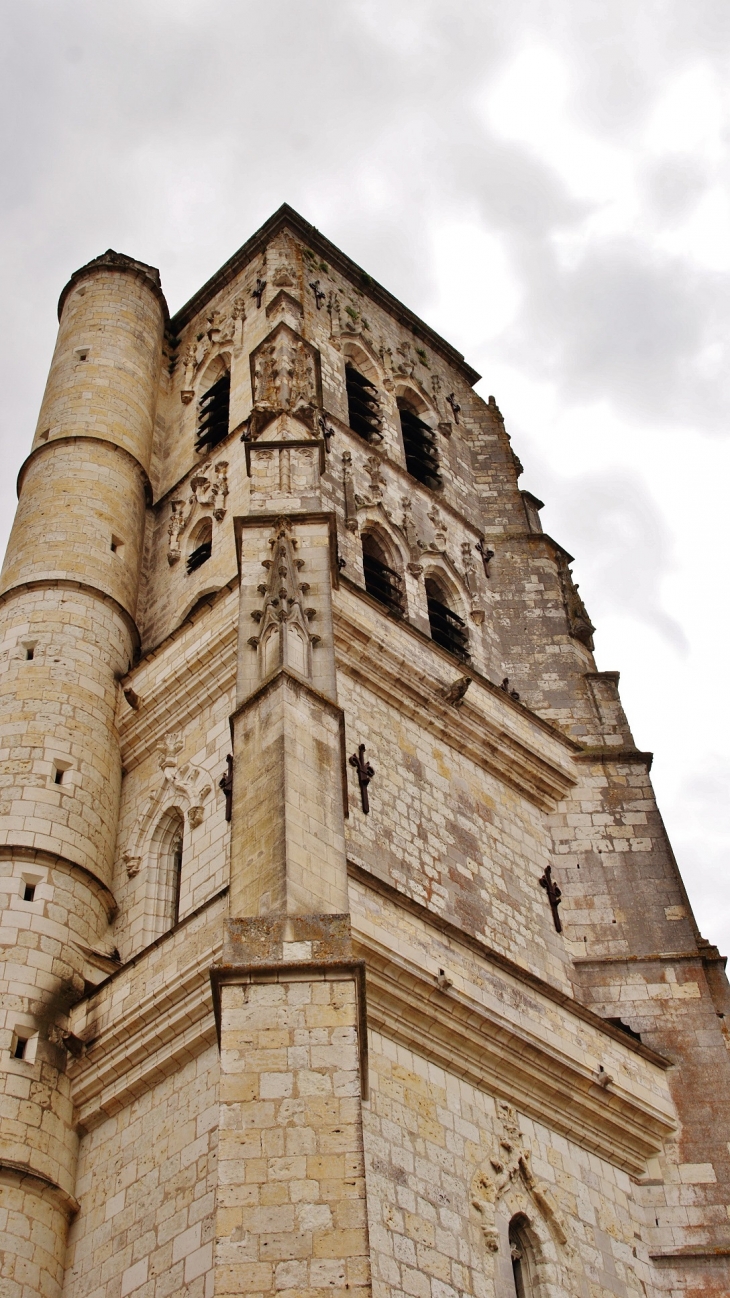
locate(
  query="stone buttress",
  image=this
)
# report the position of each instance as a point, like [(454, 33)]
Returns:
[(291, 1211)]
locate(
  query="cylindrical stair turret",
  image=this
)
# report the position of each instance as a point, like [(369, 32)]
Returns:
[(68, 595)]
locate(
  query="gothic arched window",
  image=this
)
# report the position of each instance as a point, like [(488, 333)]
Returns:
[(201, 545), (419, 444), (363, 407), (523, 1258), (447, 628), (168, 839), (213, 410), (381, 579)]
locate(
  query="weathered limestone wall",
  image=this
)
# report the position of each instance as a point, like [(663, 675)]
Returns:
[(69, 593), (291, 1212), (146, 1187)]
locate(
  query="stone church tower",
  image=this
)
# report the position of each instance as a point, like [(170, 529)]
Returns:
[(343, 946)]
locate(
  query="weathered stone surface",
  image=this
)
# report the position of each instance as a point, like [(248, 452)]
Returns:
[(310, 1046)]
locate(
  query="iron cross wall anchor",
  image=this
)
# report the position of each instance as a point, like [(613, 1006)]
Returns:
[(226, 784), (365, 774), (319, 295), (554, 896), (455, 407)]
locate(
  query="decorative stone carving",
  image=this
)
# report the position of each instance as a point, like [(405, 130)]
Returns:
[(440, 531), (510, 1169), (206, 492), (284, 276), (187, 786), (285, 637), (454, 693), (386, 360), (579, 623), (349, 493), (470, 581), (285, 376), (407, 363), (377, 484), (413, 540)]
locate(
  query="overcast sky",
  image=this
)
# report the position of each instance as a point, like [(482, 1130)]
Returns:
[(546, 182)]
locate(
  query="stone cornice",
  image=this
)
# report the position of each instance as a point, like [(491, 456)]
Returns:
[(503, 962), (535, 762), (470, 1041), (67, 438), (41, 1186), (67, 583), (138, 1049), (212, 665)]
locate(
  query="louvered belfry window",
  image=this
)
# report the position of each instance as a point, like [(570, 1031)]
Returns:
[(363, 407), (447, 628), (381, 581), (213, 410), (419, 443), (204, 547)]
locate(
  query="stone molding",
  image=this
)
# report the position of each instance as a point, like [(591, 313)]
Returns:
[(535, 771), (138, 1049), (212, 665), (467, 1040), (40, 1185), (86, 437), (67, 583), (510, 967)]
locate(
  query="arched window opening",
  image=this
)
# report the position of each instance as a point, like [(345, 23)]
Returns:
[(381, 581), (169, 839), (523, 1260), (419, 444), (202, 545), (363, 406), (213, 410), (447, 628)]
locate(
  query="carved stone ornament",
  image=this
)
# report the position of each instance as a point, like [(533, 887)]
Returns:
[(510, 1177), (186, 786), (284, 378), (206, 492), (377, 484), (285, 637), (349, 493), (220, 329), (579, 623)]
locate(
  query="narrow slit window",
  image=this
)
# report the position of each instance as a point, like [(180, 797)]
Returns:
[(213, 414), (447, 628), (117, 546), (177, 861), (60, 770), (29, 892), (381, 581), (522, 1257), (419, 444), (21, 1045), (363, 407)]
